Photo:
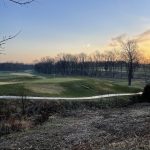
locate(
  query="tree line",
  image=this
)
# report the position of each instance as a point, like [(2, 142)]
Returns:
[(112, 64), (98, 65), (9, 66)]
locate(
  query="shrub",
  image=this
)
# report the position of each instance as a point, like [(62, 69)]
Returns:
[(13, 125), (146, 93)]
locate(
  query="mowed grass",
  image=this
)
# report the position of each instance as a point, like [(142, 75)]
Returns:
[(92, 87), (12, 83), (16, 77)]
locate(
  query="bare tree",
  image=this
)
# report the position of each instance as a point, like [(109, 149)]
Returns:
[(130, 54)]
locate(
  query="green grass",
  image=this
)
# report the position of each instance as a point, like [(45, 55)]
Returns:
[(15, 89), (11, 89), (56, 79), (38, 85), (13, 77), (89, 87)]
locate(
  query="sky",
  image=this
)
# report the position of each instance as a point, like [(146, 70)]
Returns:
[(50, 27)]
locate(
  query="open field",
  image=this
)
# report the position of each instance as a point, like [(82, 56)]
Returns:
[(125, 128), (16, 83)]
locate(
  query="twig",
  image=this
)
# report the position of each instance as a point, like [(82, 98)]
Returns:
[(2, 42), (21, 3)]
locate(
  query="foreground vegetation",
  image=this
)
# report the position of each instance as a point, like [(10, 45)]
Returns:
[(76, 125), (18, 115)]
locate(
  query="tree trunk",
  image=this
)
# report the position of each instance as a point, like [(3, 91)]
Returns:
[(130, 74), (129, 81)]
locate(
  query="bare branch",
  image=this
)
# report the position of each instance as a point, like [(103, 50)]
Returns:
[(23, 2), (5, 39)]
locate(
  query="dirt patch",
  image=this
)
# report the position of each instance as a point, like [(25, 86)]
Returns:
[(107, 129)]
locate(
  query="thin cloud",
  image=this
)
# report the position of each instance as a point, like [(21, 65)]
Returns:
[(143, 37), (120, 37), (140, 38), (143, 40), (115, 40)]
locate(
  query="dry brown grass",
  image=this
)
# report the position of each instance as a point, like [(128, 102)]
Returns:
[(46, 88), (12, 124), (100, 129)]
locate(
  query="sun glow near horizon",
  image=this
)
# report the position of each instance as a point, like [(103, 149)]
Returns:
[(38, 53)]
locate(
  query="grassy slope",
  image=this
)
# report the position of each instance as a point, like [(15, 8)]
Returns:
[(88, 87), (15, 84)]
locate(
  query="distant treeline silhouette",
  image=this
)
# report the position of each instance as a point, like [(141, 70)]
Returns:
[(10, 66), (97, 65)]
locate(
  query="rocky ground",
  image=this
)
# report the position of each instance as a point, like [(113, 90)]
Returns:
[(105, 129)]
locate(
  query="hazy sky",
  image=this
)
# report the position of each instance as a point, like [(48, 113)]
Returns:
[(49, 27)]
